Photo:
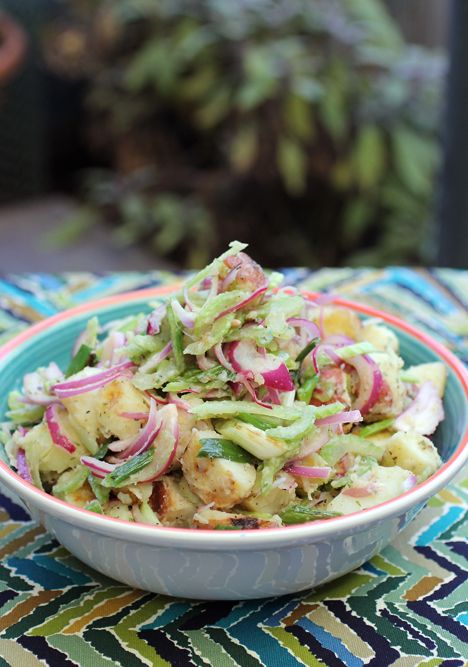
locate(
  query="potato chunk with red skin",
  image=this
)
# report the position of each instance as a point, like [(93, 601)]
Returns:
[(249, 275)]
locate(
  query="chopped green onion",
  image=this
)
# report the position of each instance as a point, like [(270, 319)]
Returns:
[(82, 358), (120, 475), (308, 348), (376, 427), (220, 448), (301, 513)]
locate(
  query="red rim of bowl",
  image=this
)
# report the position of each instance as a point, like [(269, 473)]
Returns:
[(399, 504)]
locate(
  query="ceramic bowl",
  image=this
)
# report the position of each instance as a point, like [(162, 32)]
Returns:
[(222, 564)]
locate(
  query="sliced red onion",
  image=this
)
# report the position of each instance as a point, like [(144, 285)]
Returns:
[(152, 362), (340, 418), (179, 402), (22, 466), (246, 383), (371, 382), (302, 323), (187, 319), (425, 412), (339, 340), (229, 278), (244, 357), (329, 350), (410, 482), (165, 447), (189, 303), (358, 491), (154, 320), (98, 468), (56, 433), (91, 382), (318, 472), (312, 443), (259, 291), (144, 439), (136, 416), (158, 399), (110, 354), (204, 363), (274, 397), (220, 356)]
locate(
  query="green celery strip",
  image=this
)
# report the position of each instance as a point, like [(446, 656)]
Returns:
[(177, 338), (376, 427), (213, 268), (305, 392), (71, 481), (101, 493), (298, 429), (228, 408)]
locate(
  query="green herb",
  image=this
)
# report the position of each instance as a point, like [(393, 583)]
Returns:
[(120, 475), (221, 527), (94, 506), (308, 348), (101, 493), (219, 448), (371, 429), (82, 358), (305, 392), (262, 423), (301, 513)]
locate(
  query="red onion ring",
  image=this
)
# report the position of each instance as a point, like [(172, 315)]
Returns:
[(219, 353), (154, 320), (340, 418), (187, 319), (58, 436), (144, 439), (318, 472), (92, 382), (22, 466), (244, 302), (98, 468)]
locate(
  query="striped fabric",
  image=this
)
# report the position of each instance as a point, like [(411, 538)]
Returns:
[(406, 607)]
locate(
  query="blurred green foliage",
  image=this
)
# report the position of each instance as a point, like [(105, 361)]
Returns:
[(307, 127)]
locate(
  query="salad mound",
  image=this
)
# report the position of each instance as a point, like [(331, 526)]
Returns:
[(234, 404)]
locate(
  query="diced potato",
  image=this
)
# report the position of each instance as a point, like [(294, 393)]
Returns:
[(170, 504), (274, 500), (381, 337), (117, 397), (98, 413), (414, 452), (118, 510), (341, 321), (434, 372), (213, 519), (386, 483), (332, 386), (223, 482), (380, 439), (80, 497), (43, 456)]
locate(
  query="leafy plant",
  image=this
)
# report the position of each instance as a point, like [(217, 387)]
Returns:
[(307, 127)]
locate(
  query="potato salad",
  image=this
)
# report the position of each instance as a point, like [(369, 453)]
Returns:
[(233, 404)]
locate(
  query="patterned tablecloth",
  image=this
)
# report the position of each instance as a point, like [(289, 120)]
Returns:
[(405, 607)]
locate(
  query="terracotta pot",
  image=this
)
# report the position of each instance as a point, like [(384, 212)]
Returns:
[(13, 45)]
